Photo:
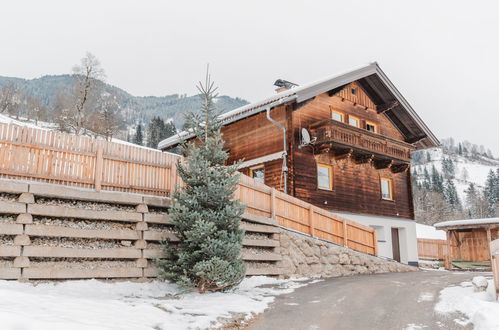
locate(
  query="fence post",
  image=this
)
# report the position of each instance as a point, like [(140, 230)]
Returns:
[(375, 241), (173, 177), (345, 232), (98, 168), (311, 220), (272, 203)]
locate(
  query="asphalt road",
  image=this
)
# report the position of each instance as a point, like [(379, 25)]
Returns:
[(384, 301)]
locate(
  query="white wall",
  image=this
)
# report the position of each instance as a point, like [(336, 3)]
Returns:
[(383, 225)]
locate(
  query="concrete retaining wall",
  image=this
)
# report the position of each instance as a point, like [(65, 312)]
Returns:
[(57, 232)]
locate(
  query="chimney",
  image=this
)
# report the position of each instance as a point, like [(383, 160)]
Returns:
[(283, 85)]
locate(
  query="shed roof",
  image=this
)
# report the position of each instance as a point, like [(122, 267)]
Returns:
[(467, 223), (370, 77)]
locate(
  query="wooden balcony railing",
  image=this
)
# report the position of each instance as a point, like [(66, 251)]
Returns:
[(343, 135)]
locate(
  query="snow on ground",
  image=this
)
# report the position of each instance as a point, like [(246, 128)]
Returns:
[(93, 304), (425, 231), (480, 308)]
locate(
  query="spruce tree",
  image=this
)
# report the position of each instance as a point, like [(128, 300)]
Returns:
[(491, 193), (139, 136), (203, 214)]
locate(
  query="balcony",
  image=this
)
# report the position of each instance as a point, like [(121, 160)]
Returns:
[(344, 139)]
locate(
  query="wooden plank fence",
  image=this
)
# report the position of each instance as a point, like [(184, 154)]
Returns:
[(473, 247), (54, 157)]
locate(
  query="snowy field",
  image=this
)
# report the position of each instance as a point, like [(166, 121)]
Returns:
[(479, 308), (93, 304)]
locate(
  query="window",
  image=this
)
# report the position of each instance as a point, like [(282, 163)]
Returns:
[(258, 173), (386, 189), (324, 176), (336, 115), (354, 121), (354, 91), (371, 127)]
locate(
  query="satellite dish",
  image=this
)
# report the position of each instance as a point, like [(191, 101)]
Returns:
[(305, 136)]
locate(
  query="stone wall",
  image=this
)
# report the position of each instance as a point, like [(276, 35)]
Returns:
[(306, 256)]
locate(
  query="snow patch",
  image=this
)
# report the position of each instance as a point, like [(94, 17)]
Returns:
[(481, 308), (92, 304)]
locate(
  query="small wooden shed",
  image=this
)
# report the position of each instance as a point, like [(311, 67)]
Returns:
[(469, 239)]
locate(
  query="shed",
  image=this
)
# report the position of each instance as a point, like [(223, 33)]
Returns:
[(469, 239)]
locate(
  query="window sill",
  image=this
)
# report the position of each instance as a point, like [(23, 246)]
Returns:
[(387, 200)]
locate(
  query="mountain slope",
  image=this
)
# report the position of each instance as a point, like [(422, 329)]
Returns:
[(135, 108)]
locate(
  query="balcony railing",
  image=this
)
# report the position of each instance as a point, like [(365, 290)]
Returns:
[(346, 136)]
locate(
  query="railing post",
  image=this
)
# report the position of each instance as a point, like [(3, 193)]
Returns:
[(311, 220), (98, 168), (375, 241)]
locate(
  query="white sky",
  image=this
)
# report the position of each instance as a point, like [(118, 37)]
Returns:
[(442, 55)]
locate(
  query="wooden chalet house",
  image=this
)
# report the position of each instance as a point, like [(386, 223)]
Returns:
[(343, 143)]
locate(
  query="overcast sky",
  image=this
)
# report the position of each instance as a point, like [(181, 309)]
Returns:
[(442, 55)]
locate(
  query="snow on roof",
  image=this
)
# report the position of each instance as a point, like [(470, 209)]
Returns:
[(469, 222), (430, 232)]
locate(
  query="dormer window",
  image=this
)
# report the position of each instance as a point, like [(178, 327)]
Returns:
[(353, 121)]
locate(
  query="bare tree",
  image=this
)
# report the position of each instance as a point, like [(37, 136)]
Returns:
[(106, 120), (74, 111)]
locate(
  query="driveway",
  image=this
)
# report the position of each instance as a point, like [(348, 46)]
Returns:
[(384, 301)]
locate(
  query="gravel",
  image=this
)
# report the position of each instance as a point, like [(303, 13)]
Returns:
[(256, 236), (81, 264), (6, 240), (85, 205), (83, 224), (81, 243), (257, 250), (8, 218), (8, 197), (4, 262), (157, 210), (160, 228)]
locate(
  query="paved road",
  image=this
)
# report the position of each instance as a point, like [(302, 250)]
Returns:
[(384, 301)]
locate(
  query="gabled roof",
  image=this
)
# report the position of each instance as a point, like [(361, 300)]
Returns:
[(374, 82)]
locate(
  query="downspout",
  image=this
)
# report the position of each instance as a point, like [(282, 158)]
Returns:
[(285, 145)]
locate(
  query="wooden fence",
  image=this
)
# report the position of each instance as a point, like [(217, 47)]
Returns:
[(54, 157), (473, 247), (48, 156)]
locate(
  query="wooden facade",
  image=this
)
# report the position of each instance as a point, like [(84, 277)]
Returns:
[(358, 158)]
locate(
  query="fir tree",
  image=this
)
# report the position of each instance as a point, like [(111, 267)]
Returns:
[(491, 193), (158, 130), (437, 183), (203, 214), (451, 196), (139, 137)]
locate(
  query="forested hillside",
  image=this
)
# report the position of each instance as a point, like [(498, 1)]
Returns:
[(458, 180), (43, 94)]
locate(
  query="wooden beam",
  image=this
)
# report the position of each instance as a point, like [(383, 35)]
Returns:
[(387, 106), (398, 168), (343, 154), (448, 252), (380, 164), (362, 158)]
